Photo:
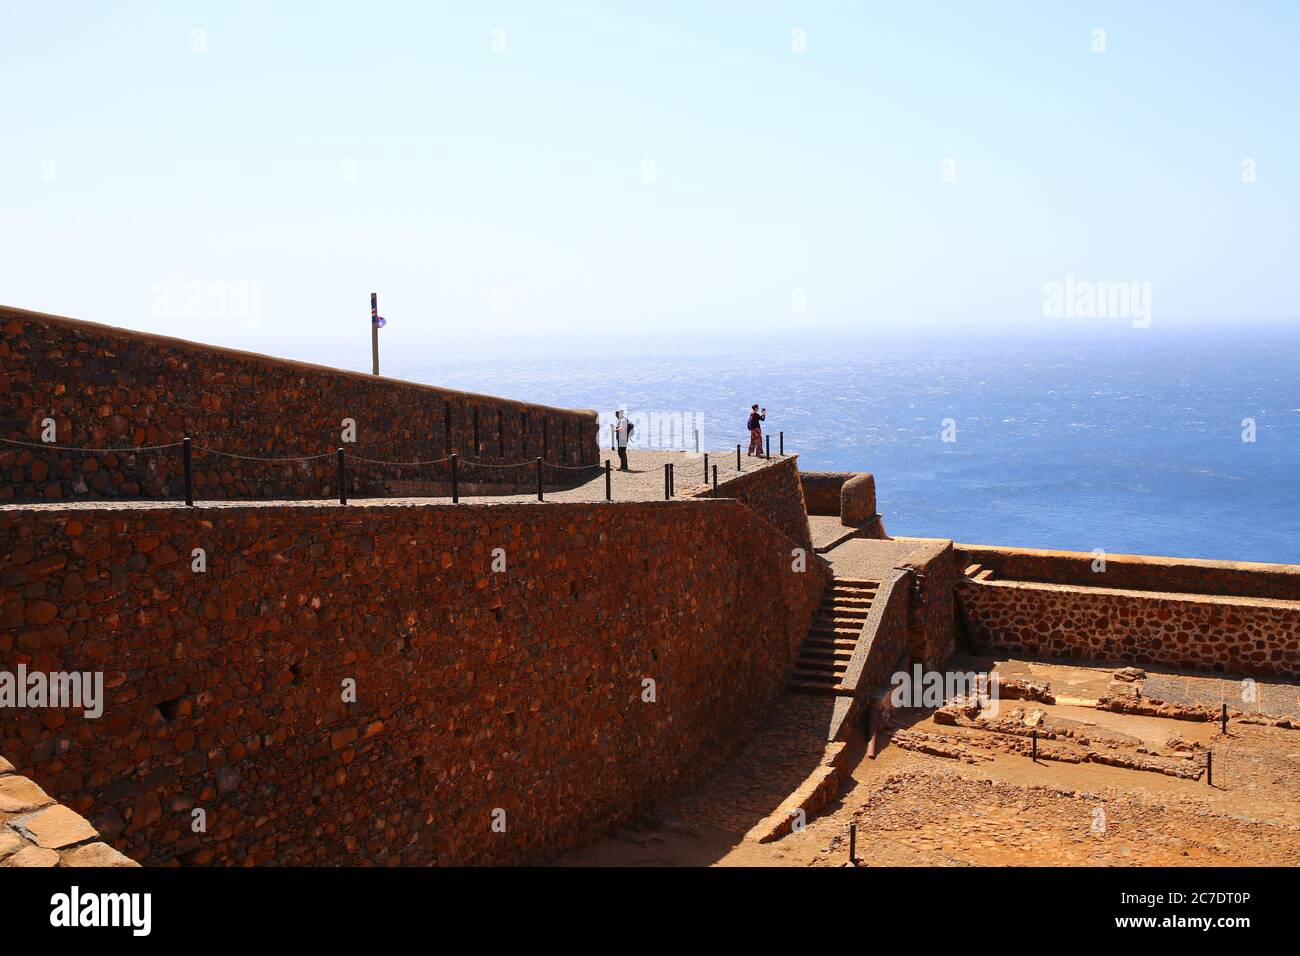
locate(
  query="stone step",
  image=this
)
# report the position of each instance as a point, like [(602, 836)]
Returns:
[(832, 644), (839, 610), (815, 652), (846, 602), (839, 632), (818, 671), (817, 688)]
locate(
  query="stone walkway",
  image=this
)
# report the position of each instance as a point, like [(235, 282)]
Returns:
[(643, 482)]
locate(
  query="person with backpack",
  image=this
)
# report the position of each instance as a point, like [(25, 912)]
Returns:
[(756, 418), (623, 433)]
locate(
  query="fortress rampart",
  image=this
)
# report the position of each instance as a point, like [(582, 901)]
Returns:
[(107, 388), (477, 690), (422, 682), (1232, 617), (775, 494)]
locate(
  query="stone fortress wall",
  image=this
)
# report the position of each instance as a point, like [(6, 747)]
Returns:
[(1233, 617), (476, 690), (112, 388), (482, 692)]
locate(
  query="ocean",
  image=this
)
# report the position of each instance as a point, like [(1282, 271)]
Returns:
[(1133, 441)]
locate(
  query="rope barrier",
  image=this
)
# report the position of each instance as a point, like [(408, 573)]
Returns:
[(380, 461), (549, 464), (229, 454), (51, 446), (342, 455)]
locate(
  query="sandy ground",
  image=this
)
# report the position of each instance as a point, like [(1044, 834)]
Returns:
[(981, 800)]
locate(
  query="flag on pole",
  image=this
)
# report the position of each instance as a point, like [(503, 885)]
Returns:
[(377, 320)]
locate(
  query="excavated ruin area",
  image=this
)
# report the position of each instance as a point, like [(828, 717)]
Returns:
[(1120, 779)]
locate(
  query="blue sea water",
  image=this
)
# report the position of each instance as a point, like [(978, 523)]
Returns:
[(1131, 442)]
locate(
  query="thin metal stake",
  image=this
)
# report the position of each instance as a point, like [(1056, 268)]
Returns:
[(189, 474), (343, 480)]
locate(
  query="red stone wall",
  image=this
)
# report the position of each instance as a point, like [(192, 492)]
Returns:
[(1136, 572), (858, 500), (476, 690), (776, 494), (932, 632), (821, 490), (883, 647), (1254, 636), (112, 388)]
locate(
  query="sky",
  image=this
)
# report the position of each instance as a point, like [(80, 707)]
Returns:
[(509, 173)]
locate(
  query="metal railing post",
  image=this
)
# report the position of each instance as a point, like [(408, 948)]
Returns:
[(189, 474), (455, 480), (343, 479)]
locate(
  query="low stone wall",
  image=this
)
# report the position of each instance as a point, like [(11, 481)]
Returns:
[(107, 388), (882, 648), (1234, 635), (775, 493), (858, 501), (821, 490), (932, 630), (37, 832), (371, 684), (1137, 572)]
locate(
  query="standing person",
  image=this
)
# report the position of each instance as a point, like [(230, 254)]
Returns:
[(622, 432), (756, 418)]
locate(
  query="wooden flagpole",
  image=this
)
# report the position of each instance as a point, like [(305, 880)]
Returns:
[(374, 330)]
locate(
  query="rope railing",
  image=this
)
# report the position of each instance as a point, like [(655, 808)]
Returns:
[(47, 446), (341, 454)]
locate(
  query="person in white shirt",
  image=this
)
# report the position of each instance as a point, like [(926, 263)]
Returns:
[(622, 432)]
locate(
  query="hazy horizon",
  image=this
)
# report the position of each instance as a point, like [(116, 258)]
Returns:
[(246, 175)]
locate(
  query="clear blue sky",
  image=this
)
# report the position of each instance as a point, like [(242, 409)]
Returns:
[(130, 159)]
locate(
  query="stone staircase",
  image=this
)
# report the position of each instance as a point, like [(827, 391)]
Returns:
[(832, 639)]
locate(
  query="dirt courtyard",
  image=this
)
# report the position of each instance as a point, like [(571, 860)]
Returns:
[(1120, 786)]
